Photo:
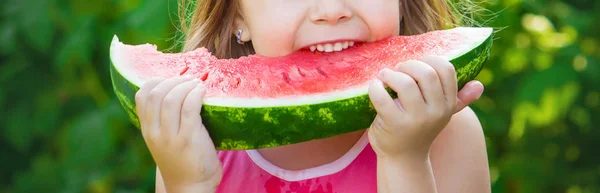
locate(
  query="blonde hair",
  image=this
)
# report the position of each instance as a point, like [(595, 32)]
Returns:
[(210, 23)]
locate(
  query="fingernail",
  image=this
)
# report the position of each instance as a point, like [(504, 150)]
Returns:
[(378, 82), (467, 93), (398, 66), (198, 88), (381, 72)]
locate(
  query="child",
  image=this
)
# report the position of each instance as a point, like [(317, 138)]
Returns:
[(427, 140)]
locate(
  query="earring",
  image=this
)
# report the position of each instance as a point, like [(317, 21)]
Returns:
[(239, 36)]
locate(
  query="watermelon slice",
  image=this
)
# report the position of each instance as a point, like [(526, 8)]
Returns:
[(258, 102)]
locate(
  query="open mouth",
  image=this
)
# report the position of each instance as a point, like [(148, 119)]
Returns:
[(331, 46)]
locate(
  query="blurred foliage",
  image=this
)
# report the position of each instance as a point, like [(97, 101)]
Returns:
[(63, 129)]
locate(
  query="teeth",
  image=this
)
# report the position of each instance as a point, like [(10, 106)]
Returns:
[(328, 48), (338, 46)]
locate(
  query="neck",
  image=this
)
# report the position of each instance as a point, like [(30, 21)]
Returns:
[(312, 153)]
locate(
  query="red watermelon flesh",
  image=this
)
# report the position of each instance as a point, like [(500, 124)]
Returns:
[(300, 73)]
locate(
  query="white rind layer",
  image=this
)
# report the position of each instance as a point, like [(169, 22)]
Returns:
[(477, 36)]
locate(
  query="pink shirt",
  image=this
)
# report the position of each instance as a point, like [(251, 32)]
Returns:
[(249, 172)]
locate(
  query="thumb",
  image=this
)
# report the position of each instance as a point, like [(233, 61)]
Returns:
[(469, 93)]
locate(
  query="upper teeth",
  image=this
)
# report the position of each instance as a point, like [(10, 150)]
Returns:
[(330, 47)]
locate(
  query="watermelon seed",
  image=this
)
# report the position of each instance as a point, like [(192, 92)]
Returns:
[(184, 70), (300, 71), (286, 77), (260, 82), (204, 77), (238, 82), (321, 72)]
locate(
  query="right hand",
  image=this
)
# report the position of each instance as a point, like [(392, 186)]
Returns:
[(169, 114)]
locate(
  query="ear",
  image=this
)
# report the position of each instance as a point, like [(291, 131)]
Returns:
[(240, 24)]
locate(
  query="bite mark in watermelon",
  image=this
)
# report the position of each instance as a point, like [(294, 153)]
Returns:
[(258, 102)]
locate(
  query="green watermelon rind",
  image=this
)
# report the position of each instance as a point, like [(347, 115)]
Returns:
[(253, 128)]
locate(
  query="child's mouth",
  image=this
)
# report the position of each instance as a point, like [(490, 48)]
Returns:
[(331, 46)]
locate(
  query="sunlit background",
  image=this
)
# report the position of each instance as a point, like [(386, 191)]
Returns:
[(63, 129)]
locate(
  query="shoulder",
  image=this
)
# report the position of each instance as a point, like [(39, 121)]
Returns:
[(460, 150), (462, 135), (464, 124), (466, 119), (463, 132)]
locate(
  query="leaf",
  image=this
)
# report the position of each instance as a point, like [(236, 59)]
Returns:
[(592, 71), (17, 129), (36, 24), (47, 113), (15, 64), (75, 180), (151, 21), (89, 140), (535, 83), (75, 48), (2, 102), (94, 7), (43, 176), (8, 32), (126, 6), (9, 8)]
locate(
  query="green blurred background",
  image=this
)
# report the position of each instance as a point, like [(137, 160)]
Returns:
[(63, 129)]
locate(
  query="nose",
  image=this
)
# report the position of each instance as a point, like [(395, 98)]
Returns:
[(330, 11)]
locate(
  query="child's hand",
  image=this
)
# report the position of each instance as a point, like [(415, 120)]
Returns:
[(427, 99), (169, 113)]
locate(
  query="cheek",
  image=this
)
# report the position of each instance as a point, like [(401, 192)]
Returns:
[(381, 16), (272, 38), (273, 27)]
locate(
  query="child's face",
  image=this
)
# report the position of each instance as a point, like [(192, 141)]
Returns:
[(279, 27)]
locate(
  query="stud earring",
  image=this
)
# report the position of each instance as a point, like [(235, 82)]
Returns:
[(239, 36)]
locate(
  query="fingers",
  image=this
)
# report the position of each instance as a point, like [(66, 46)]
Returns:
[(154, 102), (470, 92), (447, 77), (427, 79), (409, 94), (382, 101), (447, 73), (190, 112), (141, 96), (172, 105)]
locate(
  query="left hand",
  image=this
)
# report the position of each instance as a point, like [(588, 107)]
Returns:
[(427, 98)]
